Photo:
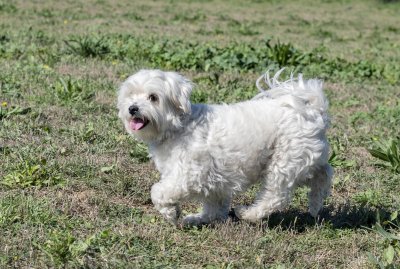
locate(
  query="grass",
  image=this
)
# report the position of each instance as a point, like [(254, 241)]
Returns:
[(75, 189)]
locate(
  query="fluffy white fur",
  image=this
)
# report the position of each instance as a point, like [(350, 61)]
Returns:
[(211, 152)]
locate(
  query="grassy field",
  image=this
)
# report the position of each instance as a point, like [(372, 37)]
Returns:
[(74, 188)]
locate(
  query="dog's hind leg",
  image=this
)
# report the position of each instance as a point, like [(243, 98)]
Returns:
[(278, 186), (274, 195), (280, 178), (320, 185), (215, 208)]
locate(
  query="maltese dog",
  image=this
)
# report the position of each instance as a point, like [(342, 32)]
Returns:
[(209, 153)]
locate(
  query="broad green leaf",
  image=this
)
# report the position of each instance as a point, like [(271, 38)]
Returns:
[(107, 169), (389, 254), (379, 154), (393, 216)]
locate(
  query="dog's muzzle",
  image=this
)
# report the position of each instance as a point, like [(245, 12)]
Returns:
[(133, 109), (137, 121)]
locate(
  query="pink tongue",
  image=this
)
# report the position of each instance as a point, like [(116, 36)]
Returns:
[(136, 124)]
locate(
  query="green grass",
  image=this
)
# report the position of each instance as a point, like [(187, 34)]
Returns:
[(75, 188)]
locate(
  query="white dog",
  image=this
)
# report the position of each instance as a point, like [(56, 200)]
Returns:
[(211, 152)]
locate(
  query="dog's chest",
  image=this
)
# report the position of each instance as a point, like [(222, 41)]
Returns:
[(166, 156)]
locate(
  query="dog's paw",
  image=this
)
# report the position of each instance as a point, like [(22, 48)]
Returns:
[(240, 211), (171, 214), (194, 220), (248, 213)]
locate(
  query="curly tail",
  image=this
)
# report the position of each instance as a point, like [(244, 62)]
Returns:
[(300, 94)]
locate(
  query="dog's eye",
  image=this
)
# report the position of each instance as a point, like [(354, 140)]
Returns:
[(153, 97)]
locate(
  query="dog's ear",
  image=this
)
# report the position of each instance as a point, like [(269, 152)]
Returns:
[(181, 89)]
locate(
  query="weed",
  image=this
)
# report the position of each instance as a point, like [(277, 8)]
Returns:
[(199, 97), (336, 160), (358, 117), (139, 152), (391, 73), (6, 110), (10, 86), (373, 198), (284, 54), (58, 246), (88, 46), (180, 54), (62, 247), (88, 133), (31, 175), (389, 152), (71, 90), (258, 56), (390, 257)]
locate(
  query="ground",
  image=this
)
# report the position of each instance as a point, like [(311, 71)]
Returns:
[(74, 187)]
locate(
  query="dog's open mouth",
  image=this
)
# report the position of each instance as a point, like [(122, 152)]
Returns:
[(137, 123)]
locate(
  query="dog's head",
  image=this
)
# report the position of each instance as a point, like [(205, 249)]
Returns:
[(152, 102)]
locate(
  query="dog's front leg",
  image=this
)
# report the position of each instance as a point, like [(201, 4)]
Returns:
[(215, 208), (165, 198)]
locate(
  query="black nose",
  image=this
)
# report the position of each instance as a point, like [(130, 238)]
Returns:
[(133, 109)]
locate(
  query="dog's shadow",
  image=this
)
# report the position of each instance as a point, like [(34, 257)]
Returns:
[(342, 217)]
